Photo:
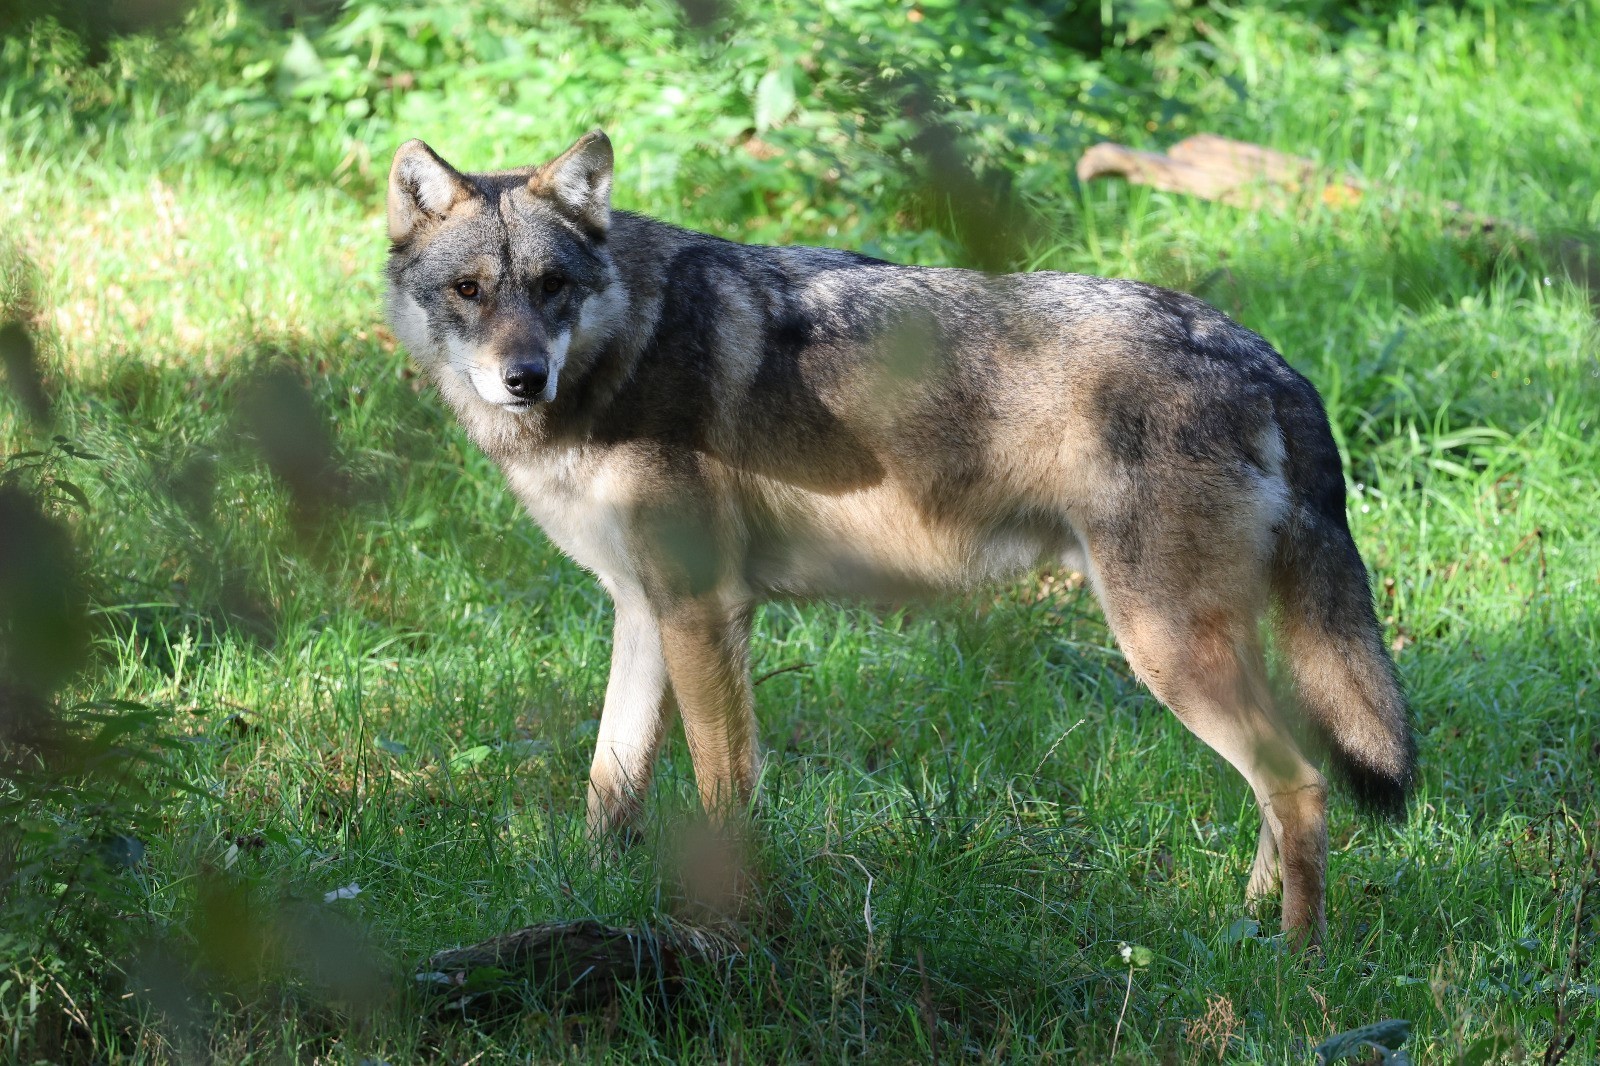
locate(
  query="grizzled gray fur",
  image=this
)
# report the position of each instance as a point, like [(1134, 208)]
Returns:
[(706, 425)]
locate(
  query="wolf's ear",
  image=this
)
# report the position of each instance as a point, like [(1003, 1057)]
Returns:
[(421, 186), (579, 181)]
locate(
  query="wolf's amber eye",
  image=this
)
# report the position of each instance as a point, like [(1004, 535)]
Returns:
[(553, 283), (467, 290)]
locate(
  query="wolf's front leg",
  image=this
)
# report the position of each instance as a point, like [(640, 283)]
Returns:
[(637, 713), (707, 647)]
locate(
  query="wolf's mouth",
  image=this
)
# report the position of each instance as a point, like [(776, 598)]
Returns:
[(522, 404)]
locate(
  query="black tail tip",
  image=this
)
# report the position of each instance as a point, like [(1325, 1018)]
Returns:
[(1381, 791)]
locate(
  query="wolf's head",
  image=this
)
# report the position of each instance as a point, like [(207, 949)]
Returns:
[(500, 283)]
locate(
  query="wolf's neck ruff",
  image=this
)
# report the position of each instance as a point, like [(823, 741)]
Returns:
[(706, 425)]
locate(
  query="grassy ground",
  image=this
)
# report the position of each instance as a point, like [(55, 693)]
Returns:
[(968, 808)]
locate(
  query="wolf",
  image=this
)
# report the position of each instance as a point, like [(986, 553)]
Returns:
[(706, 425)]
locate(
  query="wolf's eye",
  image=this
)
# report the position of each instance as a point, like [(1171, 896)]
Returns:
[(467, 290), (553, 283)]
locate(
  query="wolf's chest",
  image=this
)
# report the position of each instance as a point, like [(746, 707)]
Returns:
[(581, 507)]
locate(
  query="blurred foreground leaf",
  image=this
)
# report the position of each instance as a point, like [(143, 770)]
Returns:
[(1383, 1037)]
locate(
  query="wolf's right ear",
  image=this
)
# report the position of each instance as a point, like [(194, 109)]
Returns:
[(421, 186)]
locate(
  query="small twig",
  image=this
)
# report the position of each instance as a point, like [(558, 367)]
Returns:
[(1535, 538), (770, 674), (1116, 1034)]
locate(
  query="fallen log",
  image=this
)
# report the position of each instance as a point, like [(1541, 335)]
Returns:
[(1210, 167), (582, 964), (1250, 176)]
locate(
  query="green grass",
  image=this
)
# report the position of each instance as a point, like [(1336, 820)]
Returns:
[(967, 807)]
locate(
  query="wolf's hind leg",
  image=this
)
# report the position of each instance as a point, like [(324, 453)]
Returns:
[(707, 647), (1203, 659), (637, 713), (1264, 880)]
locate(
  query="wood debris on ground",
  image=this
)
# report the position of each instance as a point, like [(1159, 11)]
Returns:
[(582, 963), (1250, 176)]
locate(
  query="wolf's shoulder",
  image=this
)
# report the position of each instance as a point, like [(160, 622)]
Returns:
[(677, 243)]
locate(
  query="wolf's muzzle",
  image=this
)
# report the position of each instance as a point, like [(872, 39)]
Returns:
[(526, 380)]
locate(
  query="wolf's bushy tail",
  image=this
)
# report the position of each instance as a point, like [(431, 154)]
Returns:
[(1348, 689)]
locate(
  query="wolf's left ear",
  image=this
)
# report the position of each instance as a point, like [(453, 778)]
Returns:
[(421, 187), (579, 181)]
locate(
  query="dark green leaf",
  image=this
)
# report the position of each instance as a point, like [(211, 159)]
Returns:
[(77, 494)]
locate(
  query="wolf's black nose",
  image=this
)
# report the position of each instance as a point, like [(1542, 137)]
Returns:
[(526, 380)]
